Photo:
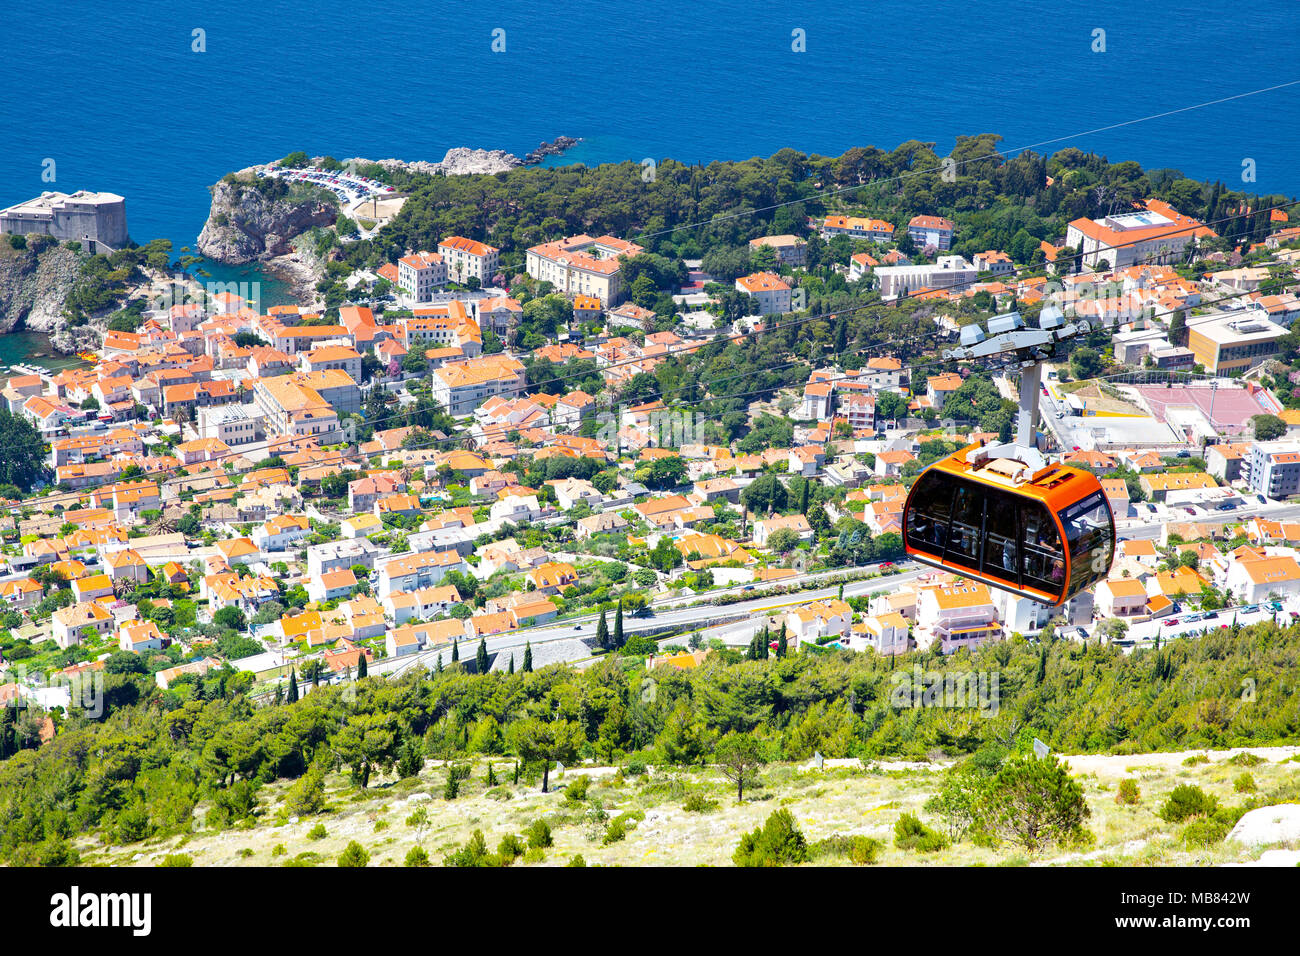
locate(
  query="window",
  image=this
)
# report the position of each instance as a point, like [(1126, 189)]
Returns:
[(1089, 530)]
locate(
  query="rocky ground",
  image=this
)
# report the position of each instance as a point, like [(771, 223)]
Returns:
[(843, 798)]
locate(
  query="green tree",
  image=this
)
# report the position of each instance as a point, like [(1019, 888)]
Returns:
[(481, 657), (602, 631), (619, 640), (292, 696), (540, 741), (1085, 363), (1034, 802), (1267, 427), (740, 758), (528, 658), (778, 842), (354, 855)]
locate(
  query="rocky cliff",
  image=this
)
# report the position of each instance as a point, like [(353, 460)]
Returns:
[(34, 286), (244, 223)]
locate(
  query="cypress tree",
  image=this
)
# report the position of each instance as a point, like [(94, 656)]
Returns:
[(491, 780), (512, 662), (803, 498), (361, 665), (516, 779), (481, 657), (455, 650), (602, 631), (782, 645), (618, 624), (528, 658), (293, 686), (438, 666)]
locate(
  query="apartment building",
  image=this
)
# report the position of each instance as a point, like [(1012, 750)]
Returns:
[(930, 231), (418, 571), (790, 250), (463, 387), (1273, 468), (770, 292), (1155, 234), (582, 265), (949, 272), (956, 615), (420, 275), (467, 259), (293, 408), (857, 227)]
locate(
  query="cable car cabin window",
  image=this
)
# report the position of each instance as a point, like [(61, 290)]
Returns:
[(966, 532), (1002, 521), (1089, 531), (927, 519), (1043, 560)]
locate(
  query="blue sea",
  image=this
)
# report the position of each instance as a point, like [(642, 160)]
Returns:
[(114, 94)]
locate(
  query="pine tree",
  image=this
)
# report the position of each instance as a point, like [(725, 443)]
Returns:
[(293, 687), (618, 624), (602, 631), (481, 657), (455, 650), (361, 665), (528, 658)]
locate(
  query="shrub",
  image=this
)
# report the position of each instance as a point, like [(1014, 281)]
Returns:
[(636, 768), (317, 832), (354, 855), (307, 796), (279, 850), (865, 850), (577, 860), (538, 834), (534, 855), (615, 832), (246, 852), (1246, 759), (911, 834), (1205, 832), (777, 843), (510, 848), (177, 859), (416, 857), (699, 803), (1195, 759), (473, 853), (576, 792), (1187, 801), (1244, 784), (1128, 793)]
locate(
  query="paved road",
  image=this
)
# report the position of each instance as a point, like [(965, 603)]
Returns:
[(677, 618)]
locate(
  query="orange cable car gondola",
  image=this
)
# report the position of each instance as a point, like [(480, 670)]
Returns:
[(1045, 534)]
